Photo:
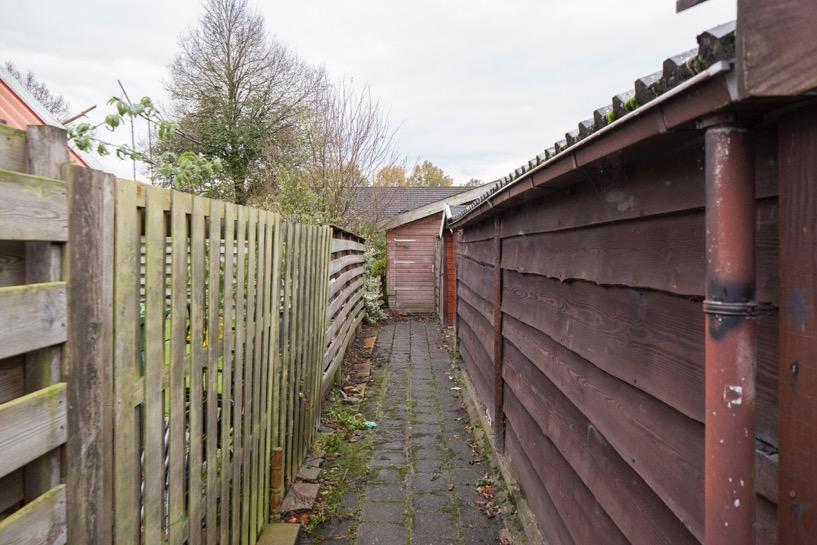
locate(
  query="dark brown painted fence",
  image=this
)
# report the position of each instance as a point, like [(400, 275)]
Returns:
[(602, 348)]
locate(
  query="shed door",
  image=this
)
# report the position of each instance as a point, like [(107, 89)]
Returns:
[(411, 259)]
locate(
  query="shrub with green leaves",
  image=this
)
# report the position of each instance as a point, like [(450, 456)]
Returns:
[(373, 286)]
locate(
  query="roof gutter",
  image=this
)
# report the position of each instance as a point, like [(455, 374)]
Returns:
[(712, 89)]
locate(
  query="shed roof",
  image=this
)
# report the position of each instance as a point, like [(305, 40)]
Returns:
[(467, 195), (19, 109), (388, 202), (714, 46)]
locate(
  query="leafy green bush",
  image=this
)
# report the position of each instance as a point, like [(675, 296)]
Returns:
[(373, 287)]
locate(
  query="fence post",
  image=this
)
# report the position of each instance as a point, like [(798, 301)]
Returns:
[(89, 356), (46, 155)]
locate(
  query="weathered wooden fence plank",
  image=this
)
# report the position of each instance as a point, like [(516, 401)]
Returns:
[(338, 283), (177, 517), (154, 366), (214, 349), (32, 425), (201, 207), (345, 261), (240, 360), (89, 353), (340, 245), (41, 522), (33, 207), (126, 365), (227, 435), (34, 316)]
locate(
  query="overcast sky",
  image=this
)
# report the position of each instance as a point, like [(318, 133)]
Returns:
[(477, 87)]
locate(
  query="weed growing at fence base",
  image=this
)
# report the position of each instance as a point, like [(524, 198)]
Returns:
[(348, 449)]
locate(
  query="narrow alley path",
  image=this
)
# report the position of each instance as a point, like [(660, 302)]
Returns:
[(421, 485), (422, 429)]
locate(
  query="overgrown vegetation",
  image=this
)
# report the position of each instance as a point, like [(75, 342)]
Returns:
[(348, 449), (375, 267)]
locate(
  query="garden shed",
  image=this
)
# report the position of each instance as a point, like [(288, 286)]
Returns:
[(634, 304), (414, 264)]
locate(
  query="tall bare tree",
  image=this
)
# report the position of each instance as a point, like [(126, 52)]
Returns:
[(347, 142), (54, 103), (237, 93)]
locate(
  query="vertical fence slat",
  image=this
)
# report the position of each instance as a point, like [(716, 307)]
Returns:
[(248, 373), (227, 443), (153, 421), (274, 365), (198, 357), (323, 303), (181, 204), (292, 409), (240, 327), (258, 352), (313, 320), (299, 344), (286, 358), (263, 435), (306, 275), (213, 344), (126, 315)]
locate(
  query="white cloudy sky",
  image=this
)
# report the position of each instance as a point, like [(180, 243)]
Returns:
[(475, 86)]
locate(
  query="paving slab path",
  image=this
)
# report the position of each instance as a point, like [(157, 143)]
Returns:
[(421, 487)]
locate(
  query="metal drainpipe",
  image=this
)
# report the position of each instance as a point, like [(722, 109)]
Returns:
[(731, 334)]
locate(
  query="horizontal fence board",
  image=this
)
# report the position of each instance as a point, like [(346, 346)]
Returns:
[(342, 262), (547, 517), (32, 207), (34, 316), (614, 195), (603, 408), (341, 323), (30, 426), (485, 308), (661, 252), (480, 278), (585, 519), (344, 245), (479, 360), (41, 522), (336, 304), (343, 315), (646, 338), (338, 283), (331, 369), (482, 327), (480, 251), (484, 230)]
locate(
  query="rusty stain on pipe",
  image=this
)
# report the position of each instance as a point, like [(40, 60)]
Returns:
[(731, 339)]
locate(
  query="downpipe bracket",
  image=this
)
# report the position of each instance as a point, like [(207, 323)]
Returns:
[(747, 309)]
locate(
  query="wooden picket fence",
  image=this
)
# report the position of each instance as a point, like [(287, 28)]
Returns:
[(345, 312), (162, 355)]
